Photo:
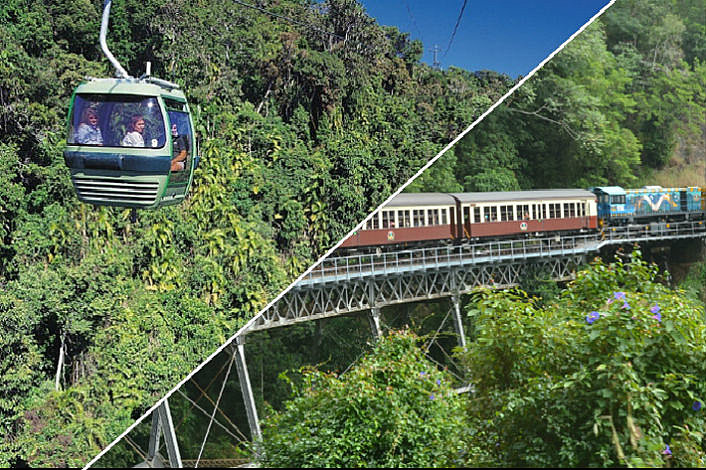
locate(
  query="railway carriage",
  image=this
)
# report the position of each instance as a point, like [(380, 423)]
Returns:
[(409, 218), (426, 217), (506, 214)]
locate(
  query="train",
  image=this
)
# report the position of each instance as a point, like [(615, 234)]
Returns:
[(412, 219)]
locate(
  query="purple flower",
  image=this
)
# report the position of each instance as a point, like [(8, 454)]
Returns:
[(617, 296), (655, 308), (626, 306), (438, 381), (431, 397), (657, 316), (667, 450), (696, 406), (422, 373), (591, 317)]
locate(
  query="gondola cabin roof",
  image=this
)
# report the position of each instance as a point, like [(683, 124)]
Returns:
[(119, 86)]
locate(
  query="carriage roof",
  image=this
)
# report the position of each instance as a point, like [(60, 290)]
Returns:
[(512, 196)]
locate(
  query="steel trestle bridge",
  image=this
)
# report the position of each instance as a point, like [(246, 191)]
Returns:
[(367, 282), (342, 285)]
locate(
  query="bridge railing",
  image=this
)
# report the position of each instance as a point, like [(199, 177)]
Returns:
[(382, 263)]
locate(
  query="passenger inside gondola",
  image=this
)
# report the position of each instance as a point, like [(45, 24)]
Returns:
[(180, 149), (88, 132), (134, 138)]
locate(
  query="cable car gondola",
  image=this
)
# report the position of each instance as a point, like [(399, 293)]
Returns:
[(130, 140)]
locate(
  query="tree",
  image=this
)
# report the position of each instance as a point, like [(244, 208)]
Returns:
[(610, 374), (394, 408)]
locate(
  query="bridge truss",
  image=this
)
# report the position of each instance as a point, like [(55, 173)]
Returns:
[(344, 285)]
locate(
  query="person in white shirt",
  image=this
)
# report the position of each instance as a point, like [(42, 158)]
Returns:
[(88, 131), (134, 136)]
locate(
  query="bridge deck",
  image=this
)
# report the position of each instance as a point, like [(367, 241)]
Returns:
[(341, 285)]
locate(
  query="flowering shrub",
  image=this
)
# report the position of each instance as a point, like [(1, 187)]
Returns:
[(611, 374), (393, 409)]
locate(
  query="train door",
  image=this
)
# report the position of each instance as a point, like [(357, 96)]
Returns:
[(683, 201), (466, 225), (452, 222)]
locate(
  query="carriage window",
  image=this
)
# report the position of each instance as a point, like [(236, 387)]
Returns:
[(418, 217), (506, 213), (491, 214), (376, 221), (555, 211), (116, 121), (404, 218), (582, 208), (466, 214), (476, 215), (387, 219), (433, 216), (444, 217), (617, 199), (523, 212)]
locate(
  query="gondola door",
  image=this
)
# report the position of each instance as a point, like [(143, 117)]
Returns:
[(181, 139)]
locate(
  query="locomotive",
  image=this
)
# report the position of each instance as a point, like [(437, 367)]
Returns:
[(421, 218), (617, 206)]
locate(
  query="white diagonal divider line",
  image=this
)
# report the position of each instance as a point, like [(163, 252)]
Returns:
[(357, 227)]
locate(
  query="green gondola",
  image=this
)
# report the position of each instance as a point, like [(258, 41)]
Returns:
[(130, 140), (130, 144)]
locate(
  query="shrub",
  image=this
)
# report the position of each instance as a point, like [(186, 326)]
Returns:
[(393, 409), (610, 374)]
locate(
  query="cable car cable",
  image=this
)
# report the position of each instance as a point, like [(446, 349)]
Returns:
[(458, 22)]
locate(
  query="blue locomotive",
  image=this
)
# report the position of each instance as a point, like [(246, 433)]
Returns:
[(650, 203)]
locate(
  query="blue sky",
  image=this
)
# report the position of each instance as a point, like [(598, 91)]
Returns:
[(508, 36)]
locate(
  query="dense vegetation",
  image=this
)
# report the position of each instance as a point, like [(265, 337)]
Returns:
[(302, 133), (611, 374), (608, 374), (393, 409), (620, 105)]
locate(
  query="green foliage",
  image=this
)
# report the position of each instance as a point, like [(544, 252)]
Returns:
[(695, 281), (610, 374), (392, 409), (301, 135), (610, 107)]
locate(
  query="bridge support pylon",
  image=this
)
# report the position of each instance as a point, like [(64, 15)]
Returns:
[(374, 319), (246, 389), (458, 324), (162, 424)]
